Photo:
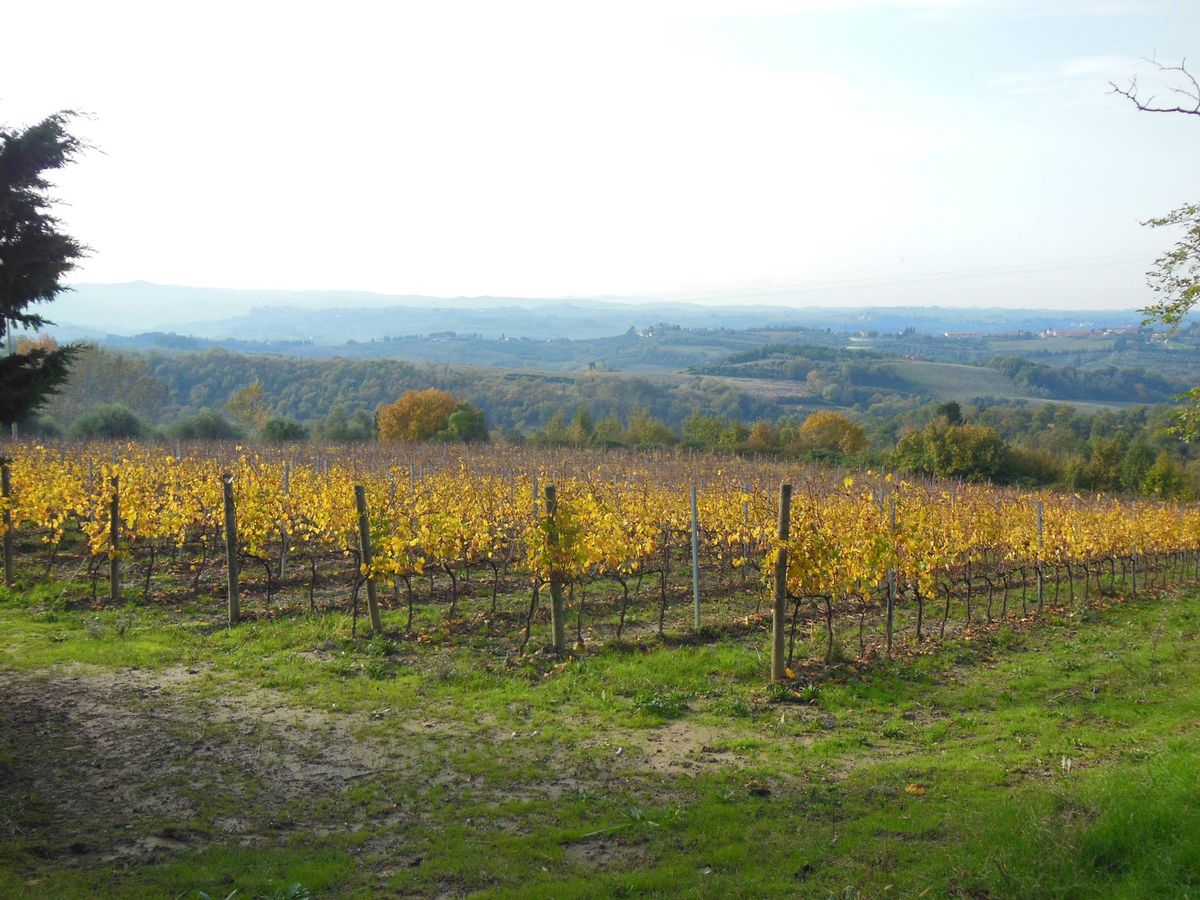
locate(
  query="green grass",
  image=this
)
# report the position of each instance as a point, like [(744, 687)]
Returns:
[(1058, 760), (955, 381), (211, 872)]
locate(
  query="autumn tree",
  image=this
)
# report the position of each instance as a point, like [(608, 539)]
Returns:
[(248, 405), (828, 430), (35, 257), (763, 437), (421, 415)]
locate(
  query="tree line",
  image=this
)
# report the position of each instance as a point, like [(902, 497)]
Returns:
[(225, 396), (1131, 451)]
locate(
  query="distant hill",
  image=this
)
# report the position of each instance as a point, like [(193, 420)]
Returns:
[(526, 360), (334, 317)]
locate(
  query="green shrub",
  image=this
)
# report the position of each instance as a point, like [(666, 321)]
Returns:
[(112, 420), (280, 430), (206, 425)]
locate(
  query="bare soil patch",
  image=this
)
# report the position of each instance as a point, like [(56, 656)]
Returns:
[(127, 767), (682, 746)]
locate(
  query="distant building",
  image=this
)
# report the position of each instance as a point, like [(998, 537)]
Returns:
[(1068, 332), (962, 334)]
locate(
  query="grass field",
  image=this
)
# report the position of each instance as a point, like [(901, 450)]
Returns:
[(152, 752), (920, 378), (1053, 345), (957, 382)]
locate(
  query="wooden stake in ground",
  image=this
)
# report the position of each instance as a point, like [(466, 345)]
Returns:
[(6, 493), (231, 551), (557, 612), (891, 579), (695, 559), (779, 613), (283, 532), (367, 557), (1041, 572), (533, 599), (114, 541)]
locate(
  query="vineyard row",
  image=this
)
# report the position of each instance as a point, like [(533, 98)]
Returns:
[(865, 547)]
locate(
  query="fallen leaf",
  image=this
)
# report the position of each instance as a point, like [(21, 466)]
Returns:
[(758, 788)]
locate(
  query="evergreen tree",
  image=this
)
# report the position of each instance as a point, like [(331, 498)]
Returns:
[(35, 255)]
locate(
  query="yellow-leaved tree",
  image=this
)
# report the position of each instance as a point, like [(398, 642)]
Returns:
[(248, 404), (830, 430), (417, 416)]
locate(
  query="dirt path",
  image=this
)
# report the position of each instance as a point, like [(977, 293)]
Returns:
[(126, 768), (120, 767)]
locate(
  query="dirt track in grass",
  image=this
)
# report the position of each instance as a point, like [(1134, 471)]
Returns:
[(126, 768)]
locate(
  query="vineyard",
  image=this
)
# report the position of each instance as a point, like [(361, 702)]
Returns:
[(433, 671), (526, 546)]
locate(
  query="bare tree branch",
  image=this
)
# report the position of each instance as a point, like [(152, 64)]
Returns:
[(1190, 89)]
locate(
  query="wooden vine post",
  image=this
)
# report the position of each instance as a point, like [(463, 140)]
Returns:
[(1041, 570), (366, 556), (557, 613), (6, 493), (695, 560), (745, 530), (891, 578), (1133, 560), (283, 532), (537, 585), (114, 541), (779, 612), (231, 551)]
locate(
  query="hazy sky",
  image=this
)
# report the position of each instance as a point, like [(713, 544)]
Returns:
[(816, 152)]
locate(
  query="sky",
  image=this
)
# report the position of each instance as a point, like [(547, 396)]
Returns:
[(799, 152)]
